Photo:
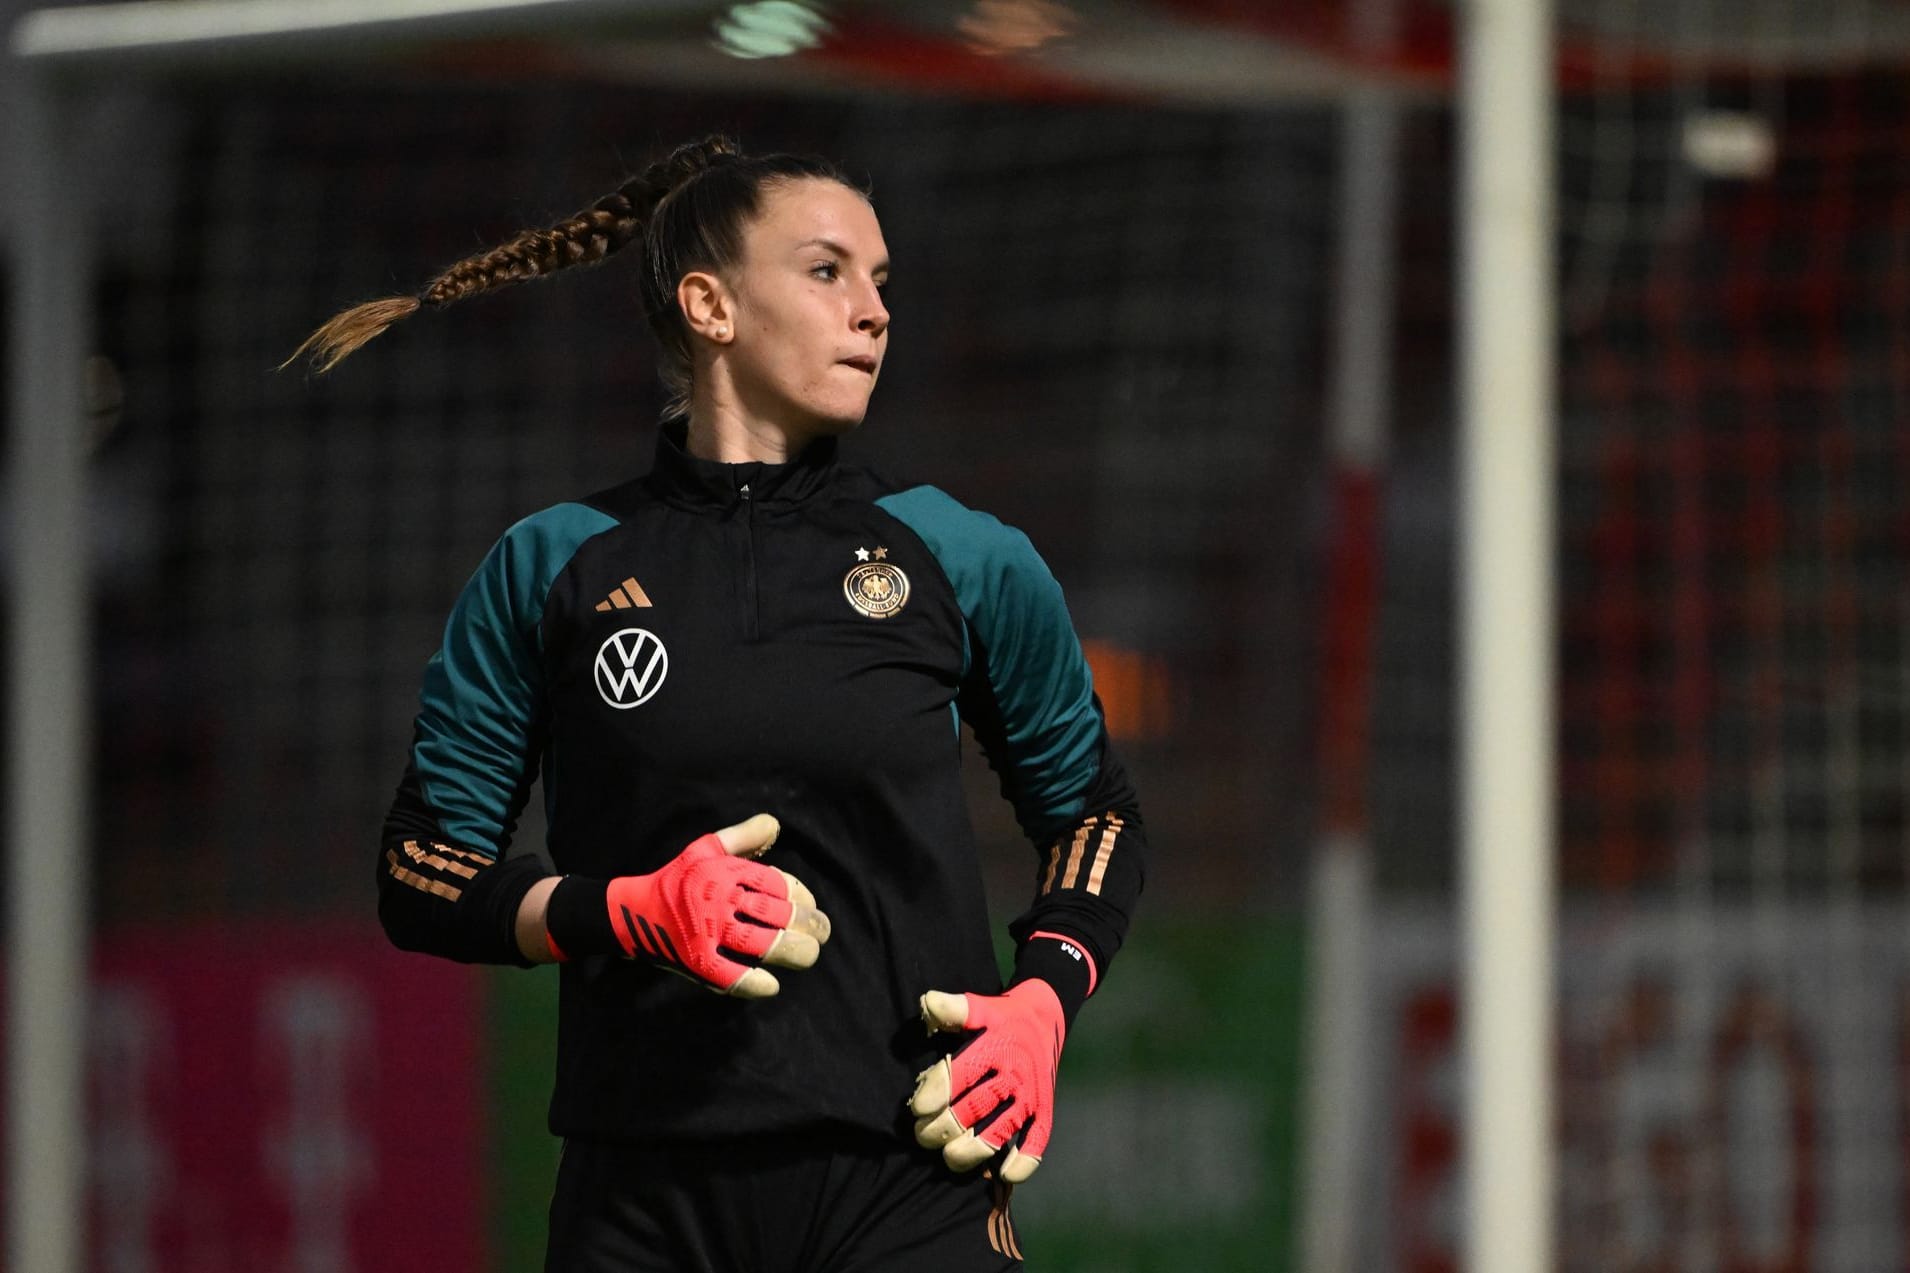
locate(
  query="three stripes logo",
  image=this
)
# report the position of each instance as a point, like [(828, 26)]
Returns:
[(625, 595), (630, 668), (653, 941), (1001, 1230)]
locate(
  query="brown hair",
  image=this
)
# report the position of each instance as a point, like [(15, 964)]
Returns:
[(689, 208)]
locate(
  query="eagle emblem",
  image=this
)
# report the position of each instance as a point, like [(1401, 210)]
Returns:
[(875, 588)]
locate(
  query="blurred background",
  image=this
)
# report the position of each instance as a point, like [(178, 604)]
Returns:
[(1174, 291)]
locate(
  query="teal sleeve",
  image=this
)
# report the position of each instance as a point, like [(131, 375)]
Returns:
[(1033, 705), (475, 750)]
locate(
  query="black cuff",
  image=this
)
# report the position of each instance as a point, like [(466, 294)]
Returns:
[(490, 903), (1062, 963), (577, 917)]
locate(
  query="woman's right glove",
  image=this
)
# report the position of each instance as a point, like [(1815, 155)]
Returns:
[(711, 914), (1002, 1078)]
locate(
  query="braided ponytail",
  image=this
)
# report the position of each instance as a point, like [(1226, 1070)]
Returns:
[(690, 210), (590, 236)]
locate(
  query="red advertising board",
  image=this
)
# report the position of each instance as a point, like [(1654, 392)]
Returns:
[(1733, 1090), (286, 1097)]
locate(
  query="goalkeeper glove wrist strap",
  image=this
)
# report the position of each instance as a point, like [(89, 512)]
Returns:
[(1061, 961), (577, 919)]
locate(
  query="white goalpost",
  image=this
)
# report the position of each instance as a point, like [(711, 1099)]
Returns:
[(1506, 685), (49, 702), (1506, 761), (1339, 1030)]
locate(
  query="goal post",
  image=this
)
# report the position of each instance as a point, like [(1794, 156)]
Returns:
[(1506, 763), (48, 697), (1338, 1027), (1508, 899)]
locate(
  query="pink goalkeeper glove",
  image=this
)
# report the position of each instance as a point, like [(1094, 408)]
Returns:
[(702, 914), (1007, 1071)]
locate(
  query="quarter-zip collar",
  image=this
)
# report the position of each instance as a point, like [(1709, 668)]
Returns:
[(686, 479)]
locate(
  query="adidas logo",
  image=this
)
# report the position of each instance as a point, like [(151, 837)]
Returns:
[(629, 593)]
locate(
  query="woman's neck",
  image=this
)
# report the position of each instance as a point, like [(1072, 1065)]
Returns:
[(729, 437)]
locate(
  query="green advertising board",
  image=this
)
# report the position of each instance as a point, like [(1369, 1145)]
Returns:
[(1176, 1126)]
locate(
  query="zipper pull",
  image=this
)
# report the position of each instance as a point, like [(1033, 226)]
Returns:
[(743, 490)]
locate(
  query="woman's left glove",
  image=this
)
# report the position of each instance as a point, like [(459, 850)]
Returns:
[(997, 1089), (710, 913)]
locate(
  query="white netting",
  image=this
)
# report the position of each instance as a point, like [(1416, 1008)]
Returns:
[(1734, 670), (1733, 642)]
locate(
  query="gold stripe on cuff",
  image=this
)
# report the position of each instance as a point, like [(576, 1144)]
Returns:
[(1102, 854), (419, 882)]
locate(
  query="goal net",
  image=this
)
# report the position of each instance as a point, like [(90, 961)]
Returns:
[(1735, 654), (1733, 665)]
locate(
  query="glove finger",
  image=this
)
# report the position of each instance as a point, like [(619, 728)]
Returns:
[(771, 912), (811, 922), (1040, 1127), (780, 886), (755, 983), (790, 948), (975, 1105), (749, 941), (984, 1011), (799, 917), (725, 976), (750, 837), (934, 1088), (794, 889), (758, 878), (939, 1130), (785, 948), (942, 1011), (967, 1152), (1018, 1166)]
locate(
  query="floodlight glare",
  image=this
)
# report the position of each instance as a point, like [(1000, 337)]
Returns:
[(770, 28)]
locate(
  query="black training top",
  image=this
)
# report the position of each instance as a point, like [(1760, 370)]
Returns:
[(716, 640)]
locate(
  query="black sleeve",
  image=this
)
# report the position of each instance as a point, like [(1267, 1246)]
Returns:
[(1090, 868), (442, 899), (1028, 694), (1029, 697), (445, 885)]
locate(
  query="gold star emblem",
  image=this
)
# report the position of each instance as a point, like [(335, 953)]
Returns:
[(881, 554), (862, 554)]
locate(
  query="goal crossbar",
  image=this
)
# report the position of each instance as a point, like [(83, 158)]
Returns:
[(92, 38)]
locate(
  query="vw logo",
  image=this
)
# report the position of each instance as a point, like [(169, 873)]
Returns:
[(631, 666)]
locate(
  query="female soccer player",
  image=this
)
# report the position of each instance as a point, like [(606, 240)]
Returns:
[(759, 638)]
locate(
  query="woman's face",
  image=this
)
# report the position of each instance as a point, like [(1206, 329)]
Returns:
[(811, 329)]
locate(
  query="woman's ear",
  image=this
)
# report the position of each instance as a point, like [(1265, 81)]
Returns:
[(707, 305)]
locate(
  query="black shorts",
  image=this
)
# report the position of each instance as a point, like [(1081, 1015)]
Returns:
[(842, 1203)]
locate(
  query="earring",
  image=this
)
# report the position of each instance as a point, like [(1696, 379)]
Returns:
[(722, 332)]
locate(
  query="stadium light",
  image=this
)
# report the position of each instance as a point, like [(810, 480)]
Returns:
[(770, 28)]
